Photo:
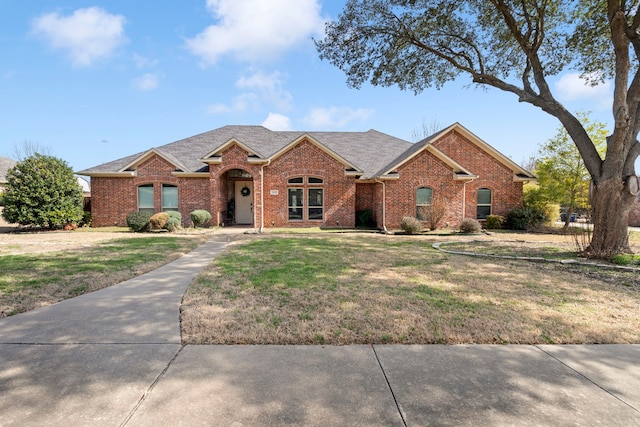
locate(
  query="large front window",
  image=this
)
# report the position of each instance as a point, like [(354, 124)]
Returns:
[(145, 198), (484, 203), (169, 198), (311, 208)]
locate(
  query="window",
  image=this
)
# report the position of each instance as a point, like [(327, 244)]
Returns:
[(169, 198), (484, 203), (313, 207), (316, 204), (145, 198), (295, 203), (423, 201)]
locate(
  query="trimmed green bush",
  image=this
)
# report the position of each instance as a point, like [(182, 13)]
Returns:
[(159, 220), (174, 214), (470, 225), (173, 224), (494, 222), (200, 217), (138, 221), (411, 225), (524, 218)]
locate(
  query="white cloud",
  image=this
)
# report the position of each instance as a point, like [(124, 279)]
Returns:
[(87, 35), (145, 83), (277, 122), (260, 89), (336, 117), (571, 87), (142, 62), (256, 30), (238, 104), (269, 88)]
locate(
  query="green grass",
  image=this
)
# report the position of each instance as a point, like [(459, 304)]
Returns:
[(30, 280), (346, 289)]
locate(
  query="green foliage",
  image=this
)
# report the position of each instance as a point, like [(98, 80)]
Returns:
[(470, 225), (1, 198), (139, 221), (173, 224), (562, 175), (159, 220), (524, 218), (411, 225), (364, 218), (174, 214), (494, 222), (200, 217), (87, 219), (42, 191)]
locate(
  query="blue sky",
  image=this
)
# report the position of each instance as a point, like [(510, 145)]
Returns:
[(93, 81)]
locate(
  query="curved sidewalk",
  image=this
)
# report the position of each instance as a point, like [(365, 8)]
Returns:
[(114, 358)]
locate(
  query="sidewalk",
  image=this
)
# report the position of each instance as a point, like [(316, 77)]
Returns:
[(114, 358)]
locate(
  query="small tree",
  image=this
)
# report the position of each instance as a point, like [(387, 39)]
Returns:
[(42, 191), (562, 175)]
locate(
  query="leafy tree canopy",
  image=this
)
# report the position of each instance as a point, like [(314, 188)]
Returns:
[(42, 191)]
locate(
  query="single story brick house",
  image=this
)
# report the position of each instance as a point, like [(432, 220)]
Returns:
[(262, 178)]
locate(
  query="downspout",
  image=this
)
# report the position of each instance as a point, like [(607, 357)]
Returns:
[(268, 162), (384, 205), (261, 198)]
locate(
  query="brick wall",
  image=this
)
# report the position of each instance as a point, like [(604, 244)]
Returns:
[(424, 170), (113, 198), (491, 174), (305, 160)]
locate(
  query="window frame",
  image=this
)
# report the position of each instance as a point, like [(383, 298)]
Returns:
[(166, 208), (150, 208), (419, 216), (483, 206), (305, 186)]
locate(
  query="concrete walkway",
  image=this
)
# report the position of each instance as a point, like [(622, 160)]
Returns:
[(114, 358)]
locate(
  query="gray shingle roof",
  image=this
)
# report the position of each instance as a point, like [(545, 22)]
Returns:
[(369, 151)]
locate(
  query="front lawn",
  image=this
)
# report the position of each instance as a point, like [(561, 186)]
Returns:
[(31, 277), (355, 288)]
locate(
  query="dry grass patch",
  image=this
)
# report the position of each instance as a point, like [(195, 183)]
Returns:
[(34, 275), (345, 289)]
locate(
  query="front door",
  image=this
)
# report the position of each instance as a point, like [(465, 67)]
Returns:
[(244, 202)]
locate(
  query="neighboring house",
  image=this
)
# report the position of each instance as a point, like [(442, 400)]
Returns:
[(5, 164), (251, 175)]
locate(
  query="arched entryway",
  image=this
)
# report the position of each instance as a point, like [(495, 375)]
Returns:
[(239, 197)]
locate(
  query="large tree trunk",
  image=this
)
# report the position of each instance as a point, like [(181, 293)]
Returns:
[(611, 203)]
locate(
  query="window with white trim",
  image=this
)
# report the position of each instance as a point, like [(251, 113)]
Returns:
[(169, 198), (310, 208), (145, 198), (484, 203), (424, 195)]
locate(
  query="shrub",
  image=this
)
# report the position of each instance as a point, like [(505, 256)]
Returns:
[(470, 225), (411, 225), (172, 224), (524, 218), (87, 218), (494, 222), (1, 198), (159, 220), (200, 217), (174, 214), (138, 221), (42, 191)]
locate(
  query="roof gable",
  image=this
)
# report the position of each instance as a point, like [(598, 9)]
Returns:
[(308, 138)]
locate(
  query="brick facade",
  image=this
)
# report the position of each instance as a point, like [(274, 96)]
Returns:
[(390, 196)]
